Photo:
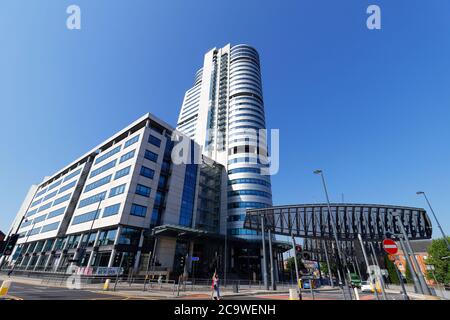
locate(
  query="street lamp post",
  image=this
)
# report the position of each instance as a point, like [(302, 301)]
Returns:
[(340, 258), (435, 218), (420, 277)]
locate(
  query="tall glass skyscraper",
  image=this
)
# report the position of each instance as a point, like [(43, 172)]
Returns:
[(223, 112)]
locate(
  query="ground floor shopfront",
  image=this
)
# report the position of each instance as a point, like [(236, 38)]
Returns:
[(170, 251)]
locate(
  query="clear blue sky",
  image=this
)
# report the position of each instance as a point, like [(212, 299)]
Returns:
[(371, 108)]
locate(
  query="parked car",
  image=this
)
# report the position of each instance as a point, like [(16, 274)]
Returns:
[(366, 286), (355, 280)]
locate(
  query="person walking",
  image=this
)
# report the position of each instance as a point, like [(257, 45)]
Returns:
[(215, 287)]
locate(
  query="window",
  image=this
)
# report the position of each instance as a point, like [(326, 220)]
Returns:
[(107, 237), (35, 203), (143, 190), (89, 216), (62, 199), (92, 199), (39, 219), (54, 185), (249, 180), (122, 172), (147, 172), (71, 175), (117, 190), (188, 198), (67, 186), (30, 213), (107, 155), (40, 193), (131, 141), (34, 231), (240, 170), (45, 206), (151, 156), (103, 168), (50, 195), (127, 156), (247, 204), (154, 141), (56, 212), (137, 210), (130, 236), (111, 210), (249, 192), (98, 183)]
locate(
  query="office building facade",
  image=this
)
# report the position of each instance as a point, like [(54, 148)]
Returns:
[(224, 113), (122, 201)]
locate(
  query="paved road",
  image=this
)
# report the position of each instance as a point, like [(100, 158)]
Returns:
[(35, 292), (38, 292)]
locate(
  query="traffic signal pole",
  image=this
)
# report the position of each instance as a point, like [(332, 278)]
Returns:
[(367, 264), (299, 288), (328, 263), (264, 269)]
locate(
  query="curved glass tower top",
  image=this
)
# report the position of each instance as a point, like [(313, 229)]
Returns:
[(224, 112)]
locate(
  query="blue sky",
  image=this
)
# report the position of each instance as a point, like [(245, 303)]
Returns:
[(371, 108)]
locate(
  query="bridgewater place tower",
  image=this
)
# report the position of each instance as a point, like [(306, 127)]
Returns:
[(224, 113)]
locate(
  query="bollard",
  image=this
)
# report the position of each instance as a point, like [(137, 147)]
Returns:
[(293, 294), (356, 293), (106, 285), (4, 288)]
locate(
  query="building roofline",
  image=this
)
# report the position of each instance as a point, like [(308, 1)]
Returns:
[(137, 124)]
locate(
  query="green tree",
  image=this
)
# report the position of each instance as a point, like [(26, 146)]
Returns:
[(408, 275), (391, 270), (436, 252), (291, 265), (324, 268)]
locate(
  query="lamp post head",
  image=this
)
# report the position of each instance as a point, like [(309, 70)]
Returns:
[(420, 192), (317, 171)]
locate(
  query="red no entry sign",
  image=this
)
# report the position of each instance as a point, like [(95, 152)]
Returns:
[(390, 246)]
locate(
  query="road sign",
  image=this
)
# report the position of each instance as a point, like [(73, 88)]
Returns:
[(390, 246), (195, 258)]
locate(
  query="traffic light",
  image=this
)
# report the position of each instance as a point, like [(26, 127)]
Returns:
[(298, 248), (306, 256), (182, 261), (117, 259), (10, 243)]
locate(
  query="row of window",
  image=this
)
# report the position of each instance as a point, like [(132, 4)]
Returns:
[(247, 204), (92, 215), (122, 172), (92, 199), (50, 215), (249, 193), (71, 175), (131, 141), (103, 168), (242, 170), (127, 156), (44, 229), (249, 180), (107, 154), (51, 195), (242, 232), (98, 183)]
